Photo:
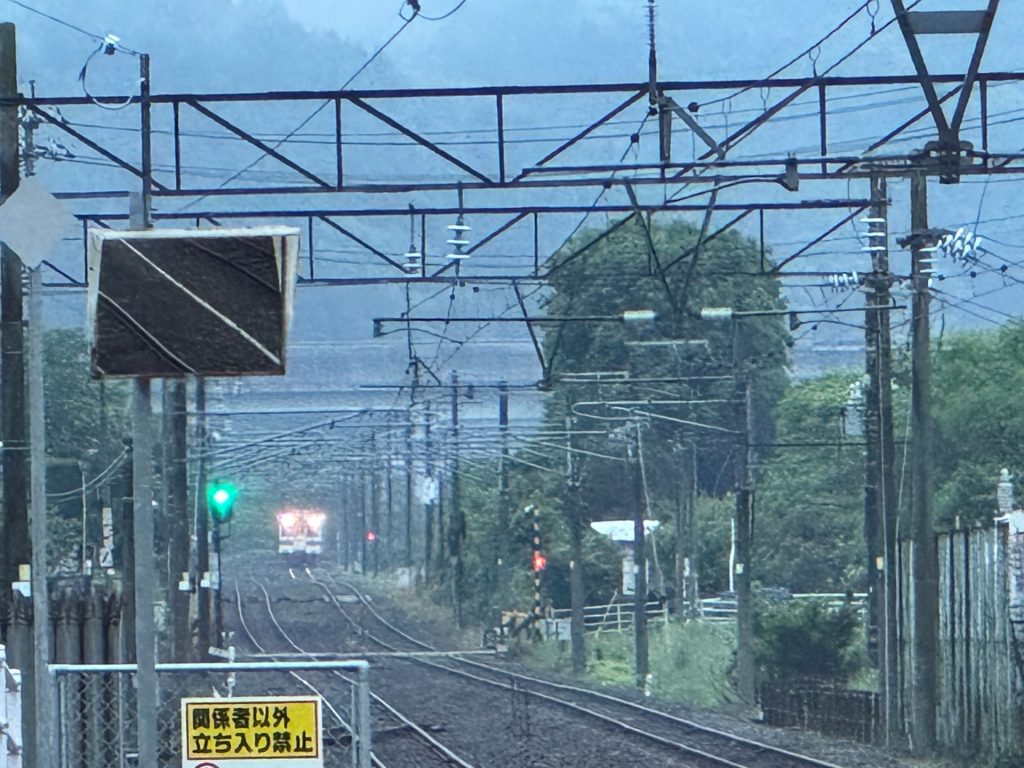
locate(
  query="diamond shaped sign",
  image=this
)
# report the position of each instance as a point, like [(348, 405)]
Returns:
[(33, 222)]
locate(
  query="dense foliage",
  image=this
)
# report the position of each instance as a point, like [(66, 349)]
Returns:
[(797, 639)]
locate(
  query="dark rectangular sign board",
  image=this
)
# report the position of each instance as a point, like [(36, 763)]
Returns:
[(209, 302)]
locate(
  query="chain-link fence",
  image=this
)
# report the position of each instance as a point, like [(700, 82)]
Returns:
[(98, 726), (10, 714)]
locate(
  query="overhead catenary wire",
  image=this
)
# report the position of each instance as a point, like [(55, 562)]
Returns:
[(64, 23), (443, 16)]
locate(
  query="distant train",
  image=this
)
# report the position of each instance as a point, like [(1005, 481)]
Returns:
[(300, 535)]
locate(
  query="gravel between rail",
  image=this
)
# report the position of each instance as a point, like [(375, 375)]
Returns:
[(509, 726)]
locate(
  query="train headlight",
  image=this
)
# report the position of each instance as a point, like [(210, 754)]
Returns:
[(315, 522)]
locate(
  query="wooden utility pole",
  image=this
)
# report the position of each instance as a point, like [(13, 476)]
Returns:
[(924, 565), (15, 548), (636, 463)]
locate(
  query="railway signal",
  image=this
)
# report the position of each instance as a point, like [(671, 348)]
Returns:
[(220, 498), (539, 562)]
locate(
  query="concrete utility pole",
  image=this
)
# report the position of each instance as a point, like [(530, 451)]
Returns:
[(744, 546), (686, 533), (45, 727), (636, 463), (374, 494), (202, 527), (880, 489), (15, 549), (176, 513), (432, 499), (410, 466), (389, 511), (504, 515), (873, 525), (456, 515), (142, 482), (924, 564), (575, 524)]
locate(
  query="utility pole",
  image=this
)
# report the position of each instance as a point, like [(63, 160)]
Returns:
[(636, 463), (456, 516), (15, 549), (142, 468), (574, 521), (45, 728), (375, 510), (686, 533), (504, 515), (389, 525), (744, 545), (434, 493), (202, 526), (410, 464), (873, 447), (175, 421), (881, 446), (924, 565), (363, 499)]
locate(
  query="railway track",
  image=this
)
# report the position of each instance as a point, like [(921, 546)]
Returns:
[(699, 745), (392, 746)]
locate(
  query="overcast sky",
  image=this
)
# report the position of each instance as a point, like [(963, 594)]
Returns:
[(253, 45)]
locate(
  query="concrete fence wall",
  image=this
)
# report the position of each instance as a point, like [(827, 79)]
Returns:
[(85, 626), (980, 693)]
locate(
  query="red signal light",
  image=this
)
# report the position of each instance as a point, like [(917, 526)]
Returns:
[(371, 536), (539, 561)]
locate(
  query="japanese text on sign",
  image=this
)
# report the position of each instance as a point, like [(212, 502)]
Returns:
[(284, 729)]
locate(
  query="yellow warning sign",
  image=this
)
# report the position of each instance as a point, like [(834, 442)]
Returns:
[(263, 731)]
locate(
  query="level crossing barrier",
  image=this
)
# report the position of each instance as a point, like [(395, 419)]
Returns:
[(98, 726)]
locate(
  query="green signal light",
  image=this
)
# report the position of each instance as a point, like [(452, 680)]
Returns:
[(220, 498)]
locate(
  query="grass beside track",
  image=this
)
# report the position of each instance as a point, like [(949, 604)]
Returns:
[(689, 661)]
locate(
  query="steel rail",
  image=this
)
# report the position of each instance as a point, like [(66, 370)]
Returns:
[(308, 685), (433, 743), (689, 724)]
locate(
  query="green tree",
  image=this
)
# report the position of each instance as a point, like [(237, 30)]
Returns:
[(979, 425), (619, 273), (86, 421), (810, 499)]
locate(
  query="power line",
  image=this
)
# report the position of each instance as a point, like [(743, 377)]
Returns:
[(101, 38), (445, 16), (315, 112), (766, 81)]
